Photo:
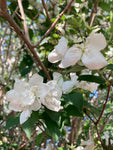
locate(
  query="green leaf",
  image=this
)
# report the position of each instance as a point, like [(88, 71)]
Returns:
[(110, 66), (112, 27), (74, 102), (91, 78), (76, 68), (75, 99), (61, 148), (39, 138), (73, 111), (29, 124), (105, 6), (52, 127), (12, 121)]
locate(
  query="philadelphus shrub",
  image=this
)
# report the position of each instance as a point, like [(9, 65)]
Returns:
[(88, 52)]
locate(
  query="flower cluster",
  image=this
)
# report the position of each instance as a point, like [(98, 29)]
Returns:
[(88, 52), (28, 96), (89, 145)]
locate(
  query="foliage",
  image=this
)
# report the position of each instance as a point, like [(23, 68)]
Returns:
[(30, 30)]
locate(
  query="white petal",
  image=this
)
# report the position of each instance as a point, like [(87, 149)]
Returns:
[(62, 47), (21, 86), (94, 60), (54, 57), (10, 95), (15, 107), (96, 41), (24, 116), (67, 86), (36, 79), (42, 90), (71, 57), (74, 78), (52, 104), (36, 105)]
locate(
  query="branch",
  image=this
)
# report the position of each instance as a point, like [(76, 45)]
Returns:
[(93, 13), (44, 5), (109, 86), (3, 5), (23, 37), (53, 25), (24, 19)]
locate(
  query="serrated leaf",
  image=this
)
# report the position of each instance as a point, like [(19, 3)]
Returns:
[(91, 78)]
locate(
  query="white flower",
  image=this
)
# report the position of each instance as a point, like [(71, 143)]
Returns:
[(21, 96), (58, 53), (89, 53), (52, 99), (26, 97)]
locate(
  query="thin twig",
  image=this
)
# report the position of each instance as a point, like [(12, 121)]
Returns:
[(93, 13), (53, 25), (23, 37), (44, 5), (23, 144), (104, 106), (24, 19)]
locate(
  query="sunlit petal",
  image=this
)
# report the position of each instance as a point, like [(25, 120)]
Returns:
[(24, 116), (36, 79), (36, 105), (96, 41), (67, 86), (54, 57), (62, 47), (94, 60), (71, 57)]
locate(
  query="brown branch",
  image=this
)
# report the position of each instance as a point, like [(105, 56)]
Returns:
[(3, 5), (73, 130), (98, 133), (93, 13), (23, 37), (53, 25), (24, 19), (104, 106), (23, 144), (44, 5)]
